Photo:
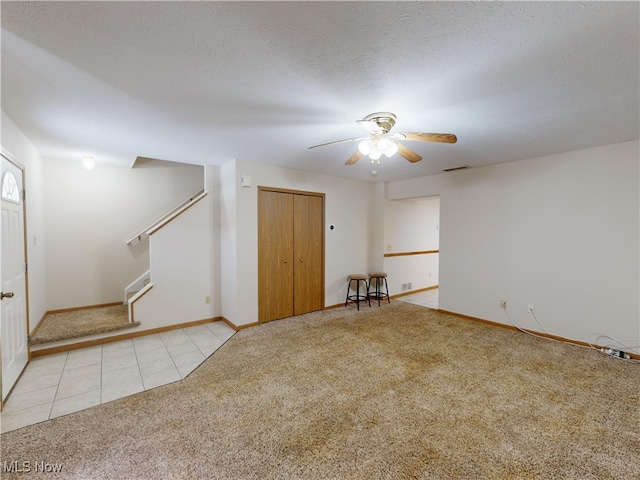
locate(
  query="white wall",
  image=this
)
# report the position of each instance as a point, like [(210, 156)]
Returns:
[(411, 225), (349, 205), (91, 214), (560, 232), (22, 151)]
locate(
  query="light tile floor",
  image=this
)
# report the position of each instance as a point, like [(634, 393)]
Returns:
[(428, 298), (63, 383)]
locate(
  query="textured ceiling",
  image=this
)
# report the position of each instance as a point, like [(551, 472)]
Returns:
[(206, 82)]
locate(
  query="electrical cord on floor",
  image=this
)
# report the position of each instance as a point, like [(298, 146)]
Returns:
[(537, 322), (613, 350), (618, 342), (602, 350), (534, 334)]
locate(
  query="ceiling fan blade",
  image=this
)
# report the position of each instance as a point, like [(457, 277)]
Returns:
[(354, 158), (370, 126), (428, 137), (339, 141), (409, 154)]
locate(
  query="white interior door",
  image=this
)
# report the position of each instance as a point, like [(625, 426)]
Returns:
[(13, 314)]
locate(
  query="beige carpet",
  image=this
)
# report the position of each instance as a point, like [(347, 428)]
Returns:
[(80, 323), (391, 392)]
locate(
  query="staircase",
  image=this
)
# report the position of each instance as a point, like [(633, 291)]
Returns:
[(143, 284)]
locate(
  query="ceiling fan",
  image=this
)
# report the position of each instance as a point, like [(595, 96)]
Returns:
[(381, 142)]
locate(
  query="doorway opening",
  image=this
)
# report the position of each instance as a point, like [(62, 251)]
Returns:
[(412, 249)]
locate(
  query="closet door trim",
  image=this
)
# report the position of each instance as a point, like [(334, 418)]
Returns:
[(287, 190)]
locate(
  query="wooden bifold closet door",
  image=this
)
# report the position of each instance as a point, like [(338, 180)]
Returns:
[(290, 253)]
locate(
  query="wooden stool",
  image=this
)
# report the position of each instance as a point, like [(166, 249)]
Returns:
[(377, 293), (357, 277)]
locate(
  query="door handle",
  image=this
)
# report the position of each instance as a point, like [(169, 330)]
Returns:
[(6, 295)]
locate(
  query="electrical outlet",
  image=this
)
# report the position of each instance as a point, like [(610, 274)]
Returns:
[(388, 247), (207, 299), (503, 304), (530, 308)]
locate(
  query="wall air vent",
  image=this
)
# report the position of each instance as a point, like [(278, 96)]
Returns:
[(405, 287), (453, 169)]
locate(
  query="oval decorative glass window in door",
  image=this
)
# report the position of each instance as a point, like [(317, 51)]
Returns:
[(10, 188)]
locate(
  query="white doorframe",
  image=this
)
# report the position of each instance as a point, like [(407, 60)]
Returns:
[(14, 343)]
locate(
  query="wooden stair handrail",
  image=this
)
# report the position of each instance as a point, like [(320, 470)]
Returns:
[(402, 254), (167, 216)]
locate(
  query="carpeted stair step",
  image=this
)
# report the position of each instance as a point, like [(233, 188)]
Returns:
[(80, 323)]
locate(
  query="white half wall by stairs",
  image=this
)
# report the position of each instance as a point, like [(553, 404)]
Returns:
[(136, 286), (180, 257)]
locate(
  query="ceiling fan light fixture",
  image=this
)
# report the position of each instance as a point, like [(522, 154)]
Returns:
[(377, 147), (382, 142), (392, 149), (366, 146)]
